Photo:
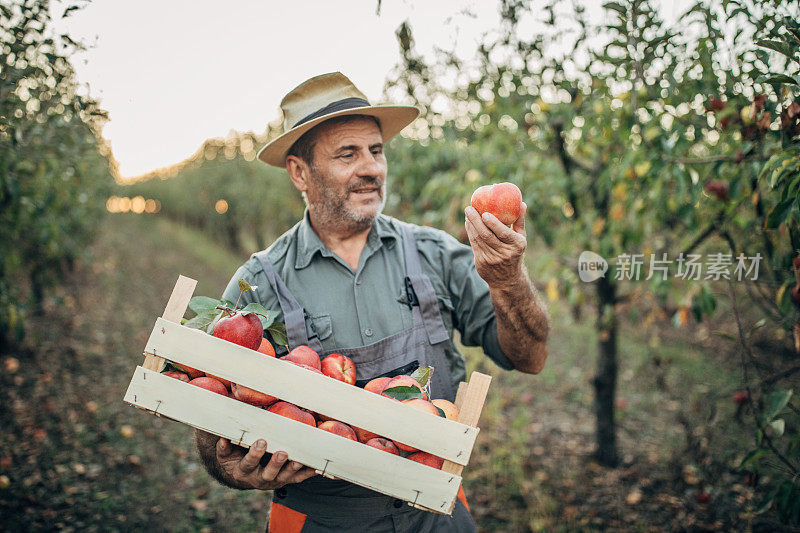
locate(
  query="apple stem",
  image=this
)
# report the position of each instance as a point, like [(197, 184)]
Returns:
[(236, 306)]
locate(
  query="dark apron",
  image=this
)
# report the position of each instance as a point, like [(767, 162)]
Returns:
[(336, 505)]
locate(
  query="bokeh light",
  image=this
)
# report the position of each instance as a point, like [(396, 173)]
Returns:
[(221, 206)]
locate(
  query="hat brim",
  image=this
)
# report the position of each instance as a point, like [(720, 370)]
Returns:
[(392, 119)]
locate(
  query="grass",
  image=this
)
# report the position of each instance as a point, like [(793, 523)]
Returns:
[(77, 458)]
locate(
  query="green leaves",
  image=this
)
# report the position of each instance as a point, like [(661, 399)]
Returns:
[(201, 304), (209, 311), (423, 375), (402, 392), (775, 402), (278, 332), (782, 47), (773, 79), (704, 304)]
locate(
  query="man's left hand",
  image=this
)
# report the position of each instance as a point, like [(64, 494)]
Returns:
[(498, 249)]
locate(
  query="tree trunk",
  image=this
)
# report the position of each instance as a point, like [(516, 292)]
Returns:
[(605, 383)]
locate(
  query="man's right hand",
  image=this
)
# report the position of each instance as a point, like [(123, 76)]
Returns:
[(245, 470)]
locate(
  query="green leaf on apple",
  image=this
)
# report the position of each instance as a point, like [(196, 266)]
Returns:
[(266, 316), (200, 304), (278, 332), (403, 393), (203, 319), (423, 375)]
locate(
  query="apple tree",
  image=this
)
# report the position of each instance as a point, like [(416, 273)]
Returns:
[(627, 138), (53, 164)]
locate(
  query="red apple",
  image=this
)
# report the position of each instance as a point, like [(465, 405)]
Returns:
[(266, 347), (307, 367), (377, 385), (740, 397), (177, 375), (244, 330), (251, 396), (192, 372), (383, 444), (290, 410), (427, 459), (224, 381), (503, 200), (211, 384), (719, 188), (364, 435), (449, 408), (305, 355), (404, 381), (338, 366), (338, 428), (422, 405)]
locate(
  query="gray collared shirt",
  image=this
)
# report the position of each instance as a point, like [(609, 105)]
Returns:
[(354, 308)]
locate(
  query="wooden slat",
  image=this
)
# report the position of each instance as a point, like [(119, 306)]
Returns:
[(472, 405), (462, 390), (445, 438), (342, 458), (174, 311), (472, 398)]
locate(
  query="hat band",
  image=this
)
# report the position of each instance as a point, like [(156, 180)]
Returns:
[(333, 107)]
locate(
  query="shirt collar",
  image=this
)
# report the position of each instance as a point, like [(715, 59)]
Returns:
[(309, 244)]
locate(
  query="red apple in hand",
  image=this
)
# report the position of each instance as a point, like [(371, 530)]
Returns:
[(304, 355), (503, 200), (244, 330), (338, 366)]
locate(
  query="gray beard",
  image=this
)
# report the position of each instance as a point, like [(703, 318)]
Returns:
[(331, 211)]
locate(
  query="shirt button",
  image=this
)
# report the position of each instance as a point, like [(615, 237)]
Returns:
[(398, 504), (368, 332), (358, 281)]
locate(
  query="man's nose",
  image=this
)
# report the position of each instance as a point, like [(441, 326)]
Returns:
[(370, 165)]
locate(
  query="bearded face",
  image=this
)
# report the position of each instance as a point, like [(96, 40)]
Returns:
[(346, 185)]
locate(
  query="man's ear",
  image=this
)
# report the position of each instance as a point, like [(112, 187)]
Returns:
[(298, 172)]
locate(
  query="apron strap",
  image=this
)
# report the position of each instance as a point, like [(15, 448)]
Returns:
[(294, 315), (428, 304)]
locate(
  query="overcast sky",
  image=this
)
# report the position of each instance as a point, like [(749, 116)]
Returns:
[(174, 73)]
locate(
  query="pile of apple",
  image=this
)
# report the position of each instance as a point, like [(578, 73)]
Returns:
[(245, 330)]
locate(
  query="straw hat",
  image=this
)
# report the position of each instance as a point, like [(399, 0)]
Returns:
[(323, 97)]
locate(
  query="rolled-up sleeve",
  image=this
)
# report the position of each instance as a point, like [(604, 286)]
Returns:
[(474, 312)]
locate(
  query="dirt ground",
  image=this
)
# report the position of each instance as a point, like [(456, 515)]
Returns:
[(74, 457)]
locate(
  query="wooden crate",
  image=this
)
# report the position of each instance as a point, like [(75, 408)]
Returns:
[(330, 455)]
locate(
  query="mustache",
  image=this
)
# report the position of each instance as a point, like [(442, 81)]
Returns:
[(369, 182)]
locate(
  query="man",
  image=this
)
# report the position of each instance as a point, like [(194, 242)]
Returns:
[(387, 294)]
